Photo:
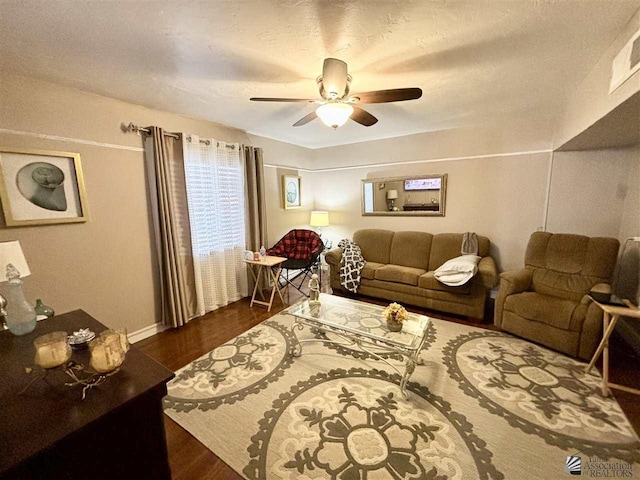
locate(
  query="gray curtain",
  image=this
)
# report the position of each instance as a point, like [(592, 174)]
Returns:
[(168, 196), (255, 198)]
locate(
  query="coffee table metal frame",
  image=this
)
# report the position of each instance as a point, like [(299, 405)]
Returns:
[(370, 343)]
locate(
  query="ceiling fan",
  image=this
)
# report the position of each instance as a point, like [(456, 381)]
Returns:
[(337, 106)]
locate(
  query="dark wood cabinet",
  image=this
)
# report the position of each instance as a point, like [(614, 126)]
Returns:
[(48, 432), (419, 207)]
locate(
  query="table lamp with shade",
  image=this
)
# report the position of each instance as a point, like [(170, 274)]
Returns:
[(319, 219), (19, 315), (392, 195)]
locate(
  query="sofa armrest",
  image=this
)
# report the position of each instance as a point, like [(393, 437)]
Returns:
[(516, 281), (487, 272), (334, 257), (601, 288)]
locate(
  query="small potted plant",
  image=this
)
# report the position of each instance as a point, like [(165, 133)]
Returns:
[(395, 314)]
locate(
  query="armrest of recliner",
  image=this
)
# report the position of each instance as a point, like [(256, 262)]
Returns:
[(487, 272), (515, 281), (334, 256)]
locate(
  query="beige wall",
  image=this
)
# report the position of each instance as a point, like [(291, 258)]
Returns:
[(530, 135), (106, 266), (280, 159), (500, 197), (592, 191), (279, 220), (503, 197), (590, 99), (283, 154), (630, 221)]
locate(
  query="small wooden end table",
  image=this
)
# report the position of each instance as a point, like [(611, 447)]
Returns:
[(267, 263), (611, 315)]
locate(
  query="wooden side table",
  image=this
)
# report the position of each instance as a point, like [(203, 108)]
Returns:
[(267, 263), (611, 315)]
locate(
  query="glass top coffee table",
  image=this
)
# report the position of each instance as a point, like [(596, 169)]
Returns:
[(361, 324)]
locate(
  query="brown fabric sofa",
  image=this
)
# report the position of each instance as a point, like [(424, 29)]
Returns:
[(547, 300), (400, 268)]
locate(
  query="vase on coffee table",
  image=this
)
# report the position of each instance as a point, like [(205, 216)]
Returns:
[(394, 326), (395, 314)]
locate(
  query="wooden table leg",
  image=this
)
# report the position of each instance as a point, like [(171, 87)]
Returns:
[(611, 314), (276, 278), (261, 271), (255, 288), (605, 352), (607, 329), (273, 293)]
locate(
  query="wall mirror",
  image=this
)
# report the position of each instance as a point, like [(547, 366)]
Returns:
[(420, 195)]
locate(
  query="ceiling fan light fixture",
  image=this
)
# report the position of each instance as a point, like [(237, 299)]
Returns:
[(334, 115)]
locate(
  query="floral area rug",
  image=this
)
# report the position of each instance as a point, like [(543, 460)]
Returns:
[(483, 405)]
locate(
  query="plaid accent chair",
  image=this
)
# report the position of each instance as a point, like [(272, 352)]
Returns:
[(302, 249)]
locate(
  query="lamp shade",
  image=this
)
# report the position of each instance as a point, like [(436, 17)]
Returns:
[(319, 219), (334, 114), (392, 194), (11, 253)]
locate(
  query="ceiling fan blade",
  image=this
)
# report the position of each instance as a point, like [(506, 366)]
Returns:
[(385, 96), (363, 117), (266, 99), (334, 76), (306, 119)]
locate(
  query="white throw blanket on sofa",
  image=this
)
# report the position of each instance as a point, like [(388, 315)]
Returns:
[(457, 271)]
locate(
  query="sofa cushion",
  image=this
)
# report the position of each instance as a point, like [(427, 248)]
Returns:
[(399, 274), (429, 281), (554, 311), (411, 249), (564, 285), (375, 244), (446, 246), (402, 288), (369, 270)]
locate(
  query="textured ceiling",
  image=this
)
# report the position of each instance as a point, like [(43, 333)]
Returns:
[(476, 61)]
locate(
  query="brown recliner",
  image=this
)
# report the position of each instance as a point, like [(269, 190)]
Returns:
[(547, 300)]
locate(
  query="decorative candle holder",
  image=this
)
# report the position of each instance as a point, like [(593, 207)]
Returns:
[(124, 338), (107, 352), (52, 350)]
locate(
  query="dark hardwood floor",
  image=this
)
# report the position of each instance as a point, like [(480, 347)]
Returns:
[(190, 460)]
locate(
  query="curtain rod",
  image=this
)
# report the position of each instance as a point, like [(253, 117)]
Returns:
[(136, 129)]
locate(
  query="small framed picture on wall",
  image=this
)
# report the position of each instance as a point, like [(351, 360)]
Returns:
[(40, 187), (291, 191)]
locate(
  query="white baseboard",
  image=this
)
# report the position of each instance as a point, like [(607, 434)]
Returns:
[(146, 332)]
